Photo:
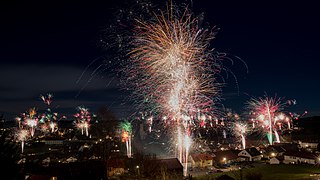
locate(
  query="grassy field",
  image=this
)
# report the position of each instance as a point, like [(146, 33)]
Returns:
[(273, 172)]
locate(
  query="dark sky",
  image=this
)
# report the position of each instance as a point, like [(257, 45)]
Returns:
[(45, 47)]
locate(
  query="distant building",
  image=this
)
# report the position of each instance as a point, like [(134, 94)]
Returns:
[(308, 145), (53, 142), (250, 154), (299, 157), (275, 160), (226, 157), (273, 151), (201, 160), (278, 149)]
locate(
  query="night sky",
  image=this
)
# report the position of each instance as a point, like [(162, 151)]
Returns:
[(45, 47)]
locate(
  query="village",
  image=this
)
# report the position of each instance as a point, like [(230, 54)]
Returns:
[(98, 156)]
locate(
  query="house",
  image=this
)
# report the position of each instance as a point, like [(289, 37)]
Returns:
[(250, 154), (308, 145), (226, 157), (201, 160), (53, 140), (297, 157), (274, 151), (278, 149), (274, 160), (224, 147)]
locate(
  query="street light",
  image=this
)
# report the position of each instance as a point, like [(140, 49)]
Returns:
[(225, 160), (138, 169)]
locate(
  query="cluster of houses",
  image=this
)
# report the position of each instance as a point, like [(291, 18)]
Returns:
[(286, 153), (292, 154), (281, 153), (224, 157)]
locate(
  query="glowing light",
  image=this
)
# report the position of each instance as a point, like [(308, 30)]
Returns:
[(240, 130), (261, 117), (22, 137), (32, 123), (281, 116), (83, 118), (187, 144), (126, 128), (269, 113), (178, 71)]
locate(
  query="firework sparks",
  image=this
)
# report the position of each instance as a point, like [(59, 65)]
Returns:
[(47, 99), (268, 113), (52, 126), (187, 144), (32, 112), (22, 137), (18, 119), (32, 121), (83, 118), (49, 118), (240, 130), (126, 128), (174, 70)]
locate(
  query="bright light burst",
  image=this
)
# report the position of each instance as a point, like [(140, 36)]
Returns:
[(174, 71), (32, 123), (240, 131), (126, 128), (22, 136), (47, 99), (268, 113), (178, 69), (83, 118), (49, 118)]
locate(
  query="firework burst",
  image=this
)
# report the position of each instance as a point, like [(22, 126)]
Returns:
[(83, 118), (240, 131), (173, 67), (31, 120), (46, 99), (126, 128), (174, 70), (168, 65), (268, 113), (22, 136)]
